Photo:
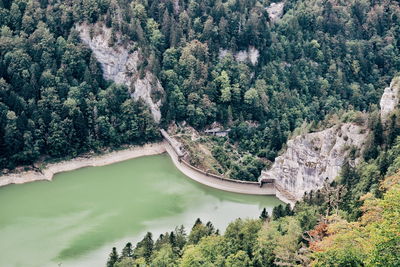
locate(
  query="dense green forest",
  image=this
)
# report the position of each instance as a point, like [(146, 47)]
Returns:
[(321, 57), (53, 99)]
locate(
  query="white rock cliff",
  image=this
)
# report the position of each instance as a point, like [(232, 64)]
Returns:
[(314, 157), (120, 64), (390, 99)]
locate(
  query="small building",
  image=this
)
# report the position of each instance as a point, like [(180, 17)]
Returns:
[(217, 131), (265, 178)]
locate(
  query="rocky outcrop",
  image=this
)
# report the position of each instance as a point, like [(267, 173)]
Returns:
[(390, 99), (311, 158), (120, 64), (314, 157), (275, 11)]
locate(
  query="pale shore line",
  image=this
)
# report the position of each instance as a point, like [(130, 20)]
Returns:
[(226, 185), (80, 162), (134, 152)]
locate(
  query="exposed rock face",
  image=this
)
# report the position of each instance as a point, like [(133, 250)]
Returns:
[(275, 11), (120, 64), (250, 55), (390, 99), (311, 158)]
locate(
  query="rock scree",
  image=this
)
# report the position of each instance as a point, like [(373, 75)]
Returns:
[(250, 55)]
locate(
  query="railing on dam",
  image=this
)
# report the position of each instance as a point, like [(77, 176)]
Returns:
[(176, 146), (265, 185), (217, 176)]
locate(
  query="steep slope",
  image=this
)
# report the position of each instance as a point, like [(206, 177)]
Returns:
[(314, 157), (390, 99), (120, 64)]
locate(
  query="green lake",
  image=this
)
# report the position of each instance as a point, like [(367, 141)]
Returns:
[(77, 218)]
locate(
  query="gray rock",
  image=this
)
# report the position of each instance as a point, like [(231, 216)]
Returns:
[(120, 64), (390, 99), (314, 157), (275, 11)]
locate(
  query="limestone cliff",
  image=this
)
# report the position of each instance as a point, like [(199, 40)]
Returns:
[(120, 64), (311, 158), (390, 99)]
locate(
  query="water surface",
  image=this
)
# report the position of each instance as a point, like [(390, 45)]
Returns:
[(77, 218)]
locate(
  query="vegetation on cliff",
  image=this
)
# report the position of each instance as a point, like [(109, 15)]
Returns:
[(217, 61), (53, 99)]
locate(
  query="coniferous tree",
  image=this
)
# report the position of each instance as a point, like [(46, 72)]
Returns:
[(288, 210), (113, 258), (144, 249), (127, 250), (264, 215), (278, 212)]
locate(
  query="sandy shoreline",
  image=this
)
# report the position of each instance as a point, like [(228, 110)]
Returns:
[(135, 152), (81, 162)]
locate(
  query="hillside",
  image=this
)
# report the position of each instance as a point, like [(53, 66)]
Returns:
[(305, 91), (215, 61)]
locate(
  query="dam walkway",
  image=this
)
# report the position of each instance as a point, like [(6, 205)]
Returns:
[(174, 149)]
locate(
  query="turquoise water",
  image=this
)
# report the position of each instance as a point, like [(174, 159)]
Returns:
[(77, 218)]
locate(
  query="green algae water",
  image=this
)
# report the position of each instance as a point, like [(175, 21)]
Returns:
[(77, 218)]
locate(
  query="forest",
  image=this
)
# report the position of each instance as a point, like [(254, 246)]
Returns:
[(54, 101), (321, 57)]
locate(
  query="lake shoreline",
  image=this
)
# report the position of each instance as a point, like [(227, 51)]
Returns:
[(240, 187), (52, 169)]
